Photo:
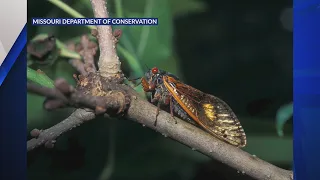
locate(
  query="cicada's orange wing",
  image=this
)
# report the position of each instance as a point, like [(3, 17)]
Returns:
[(210, 112)]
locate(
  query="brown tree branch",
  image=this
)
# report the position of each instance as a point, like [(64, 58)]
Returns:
[(114, 102), (49, 136), (93, 91), (109, 64), (87, 49), (88, 53)]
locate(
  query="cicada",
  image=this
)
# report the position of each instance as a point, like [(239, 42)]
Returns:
[(192, 105)]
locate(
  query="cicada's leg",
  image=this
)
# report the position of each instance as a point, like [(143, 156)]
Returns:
[(171, 109), (157, 98), (157, 113), (151, 98)]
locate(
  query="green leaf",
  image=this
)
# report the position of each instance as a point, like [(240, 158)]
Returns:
[(72, 9), (39, 77), (153, 43), (65, 52), (132, 61), (145, 30), (126, 41), (283, 115), (64, 70), (119, 9), (68, 9)]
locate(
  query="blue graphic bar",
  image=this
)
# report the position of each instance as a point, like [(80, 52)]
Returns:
[(13, 118), (13, 54), (306, 89)]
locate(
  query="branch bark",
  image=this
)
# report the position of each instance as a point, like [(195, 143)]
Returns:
[(49, 136), (109, 64)]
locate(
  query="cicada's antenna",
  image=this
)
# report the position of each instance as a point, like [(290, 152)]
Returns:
[(138, 84), (147, 67), (134, 79)]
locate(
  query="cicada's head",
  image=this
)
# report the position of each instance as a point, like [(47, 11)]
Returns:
[(152, 79)]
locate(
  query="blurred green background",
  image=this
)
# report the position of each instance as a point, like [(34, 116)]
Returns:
[(240, 51)]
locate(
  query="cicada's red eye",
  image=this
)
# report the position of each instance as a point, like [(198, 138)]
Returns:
[(154, 70)]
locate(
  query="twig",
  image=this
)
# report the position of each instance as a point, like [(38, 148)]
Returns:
[(76, 63), (49, 136), (87, 49), (45, 91), (113, 102), (99, 99), (88, 53), (109, 64)]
